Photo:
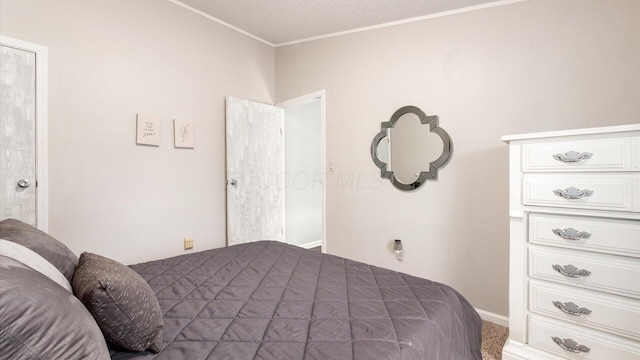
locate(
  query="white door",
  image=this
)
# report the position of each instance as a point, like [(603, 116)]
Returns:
[(22, 122), (255, 171)]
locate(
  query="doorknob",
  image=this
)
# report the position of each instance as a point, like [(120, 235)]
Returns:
[(233, 182), (24, 183)]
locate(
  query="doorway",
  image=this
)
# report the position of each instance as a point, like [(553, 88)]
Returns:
[(304, 149), (23, 119)]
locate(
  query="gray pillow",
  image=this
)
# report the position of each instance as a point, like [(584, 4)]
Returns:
[(39, 319), (121, 301), (46, 246)]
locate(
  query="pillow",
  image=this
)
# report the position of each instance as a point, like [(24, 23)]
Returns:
[(121, 301), (41, 320), (46, 246), (34, 261)]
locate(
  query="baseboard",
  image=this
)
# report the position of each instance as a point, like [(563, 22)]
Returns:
[(514, 350), (310, 245), (494, 318)]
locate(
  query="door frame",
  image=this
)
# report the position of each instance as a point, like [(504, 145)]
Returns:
[(315, 96), (42, 180)]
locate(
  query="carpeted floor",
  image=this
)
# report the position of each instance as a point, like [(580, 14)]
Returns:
[(493, 338)]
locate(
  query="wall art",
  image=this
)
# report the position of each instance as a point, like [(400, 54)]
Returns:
[(183, 134), (147, 129)]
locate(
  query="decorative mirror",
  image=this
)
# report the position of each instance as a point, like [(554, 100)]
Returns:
[(410, 148)]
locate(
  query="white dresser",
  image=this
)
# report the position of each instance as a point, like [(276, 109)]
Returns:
[(574, 272)]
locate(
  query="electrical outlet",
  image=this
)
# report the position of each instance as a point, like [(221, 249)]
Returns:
[(188, 243)]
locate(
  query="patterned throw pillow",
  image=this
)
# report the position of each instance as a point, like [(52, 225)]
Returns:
[(122, 302)]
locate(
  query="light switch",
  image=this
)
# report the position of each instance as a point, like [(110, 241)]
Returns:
[(332, 166)]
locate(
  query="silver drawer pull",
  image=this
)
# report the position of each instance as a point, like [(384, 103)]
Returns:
[(572, 156), (571, 271), (571, 234), (570, 345), (573, 193), (571, 308)]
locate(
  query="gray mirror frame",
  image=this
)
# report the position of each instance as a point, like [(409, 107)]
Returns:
[(432, 121)]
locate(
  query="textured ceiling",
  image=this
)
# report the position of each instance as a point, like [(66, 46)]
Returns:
[(283, 21)]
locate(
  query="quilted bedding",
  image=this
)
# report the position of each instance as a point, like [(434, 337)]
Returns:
[(269, 300)]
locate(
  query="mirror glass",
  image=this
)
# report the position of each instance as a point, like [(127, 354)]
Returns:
[(410, 148), (383, 149), (413, 147)]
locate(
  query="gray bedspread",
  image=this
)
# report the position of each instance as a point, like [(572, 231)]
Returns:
[(268, 300)]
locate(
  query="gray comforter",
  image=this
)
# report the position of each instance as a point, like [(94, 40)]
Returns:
[(268, 300)]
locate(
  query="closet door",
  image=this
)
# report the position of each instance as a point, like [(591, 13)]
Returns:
[(18, 135), (255, 171)]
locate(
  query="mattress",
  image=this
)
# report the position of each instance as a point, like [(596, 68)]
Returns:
[(269, 300)]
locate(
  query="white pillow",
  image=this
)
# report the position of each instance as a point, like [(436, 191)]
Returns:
[(34, 261)]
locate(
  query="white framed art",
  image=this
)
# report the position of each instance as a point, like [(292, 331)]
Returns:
[(183, 134), (147, 129)]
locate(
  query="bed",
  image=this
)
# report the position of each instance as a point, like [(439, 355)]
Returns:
[(265, 300)]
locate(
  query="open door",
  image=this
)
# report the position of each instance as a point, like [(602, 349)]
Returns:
[(255, 171)]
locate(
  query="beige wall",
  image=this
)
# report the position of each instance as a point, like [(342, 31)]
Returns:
[(532, 66), (109, 60)]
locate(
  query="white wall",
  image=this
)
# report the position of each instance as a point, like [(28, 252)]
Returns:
[(303, 173), (109, 60), (531, 66)]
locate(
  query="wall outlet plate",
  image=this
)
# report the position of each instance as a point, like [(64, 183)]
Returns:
[(188, 243)]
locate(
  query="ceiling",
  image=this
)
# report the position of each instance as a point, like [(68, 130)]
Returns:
[(278, 22)]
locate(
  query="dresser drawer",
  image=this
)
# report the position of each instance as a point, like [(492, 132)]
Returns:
[(600, 345), (610, 273), (619, 192), (586, 233), (615, 314), (612, 154)]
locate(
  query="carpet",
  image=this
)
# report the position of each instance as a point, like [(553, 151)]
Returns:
[(493, 338)]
